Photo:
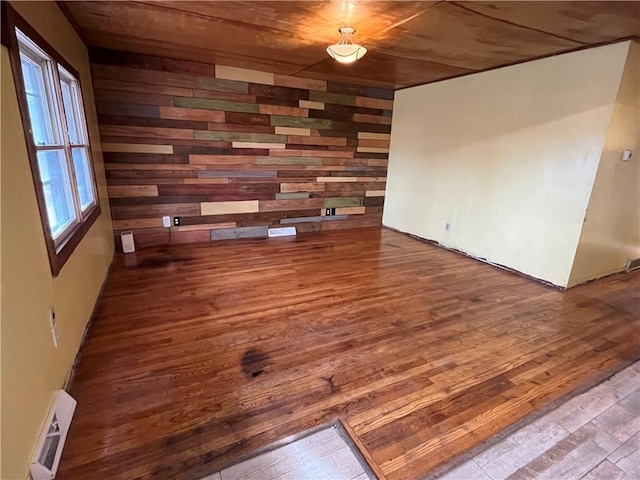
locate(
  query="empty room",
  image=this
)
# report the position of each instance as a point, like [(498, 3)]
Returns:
[(304, 240)]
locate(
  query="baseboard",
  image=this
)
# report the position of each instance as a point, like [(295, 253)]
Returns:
[(72, 371), (480, 259), (632, 264), (600, 277)]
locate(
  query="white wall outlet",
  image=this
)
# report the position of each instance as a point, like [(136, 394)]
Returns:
[(626, 155), (166, 222)]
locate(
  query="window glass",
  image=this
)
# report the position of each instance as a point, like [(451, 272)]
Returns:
[(56, 184), (70, 112), (39, 111), (83, 177)]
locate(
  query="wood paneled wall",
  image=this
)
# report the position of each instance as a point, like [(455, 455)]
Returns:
[(225, 149)]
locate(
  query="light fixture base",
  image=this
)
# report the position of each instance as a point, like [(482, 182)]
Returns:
[(346, 51)]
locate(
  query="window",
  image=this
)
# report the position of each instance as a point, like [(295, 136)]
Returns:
[(50, 100), (60, 137)]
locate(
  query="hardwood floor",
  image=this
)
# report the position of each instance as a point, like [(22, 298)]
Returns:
[(593, 436), (199, 355)]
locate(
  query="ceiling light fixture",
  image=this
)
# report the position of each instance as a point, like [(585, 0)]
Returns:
[(345, 51)]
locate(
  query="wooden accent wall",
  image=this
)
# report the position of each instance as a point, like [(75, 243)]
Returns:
[(228, 148)]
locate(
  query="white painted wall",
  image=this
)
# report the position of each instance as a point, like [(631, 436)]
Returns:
[(611, 230), (506, 158)]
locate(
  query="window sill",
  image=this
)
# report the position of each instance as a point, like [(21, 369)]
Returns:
[(57, 258)]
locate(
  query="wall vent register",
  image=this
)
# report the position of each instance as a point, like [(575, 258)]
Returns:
[(46, 457)]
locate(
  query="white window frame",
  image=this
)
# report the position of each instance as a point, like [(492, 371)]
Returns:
[(54, 74)]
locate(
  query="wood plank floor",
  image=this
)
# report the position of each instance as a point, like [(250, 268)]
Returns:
[(593, 436), (199, 355)]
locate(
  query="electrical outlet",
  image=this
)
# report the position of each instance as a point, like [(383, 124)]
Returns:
[(176, 221), (52, 317)]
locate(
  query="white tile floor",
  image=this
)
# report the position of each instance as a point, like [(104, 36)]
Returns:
[(323, 455), (593, 436)]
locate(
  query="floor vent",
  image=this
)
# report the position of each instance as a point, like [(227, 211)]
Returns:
[(46, 457), (632, 264)]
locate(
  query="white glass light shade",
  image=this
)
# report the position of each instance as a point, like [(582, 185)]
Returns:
[(345, 51)]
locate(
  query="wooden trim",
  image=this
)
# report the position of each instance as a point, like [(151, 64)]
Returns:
[(357, 447), (10, 20), (72, 242), (518, 62), (64, 8), (345, 432), (513, 24), (273, 446), (72, 372)]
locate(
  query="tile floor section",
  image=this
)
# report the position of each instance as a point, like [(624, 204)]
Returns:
[(323, 455), (593, 436)]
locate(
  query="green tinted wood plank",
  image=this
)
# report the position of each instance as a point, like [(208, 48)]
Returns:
[(336, 98), (334, 202), (238, 136), (288, 161), (292, 196), (240, 232), (208, 104), (283, 121)]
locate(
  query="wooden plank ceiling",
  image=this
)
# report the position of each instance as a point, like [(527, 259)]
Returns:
[(409, 42)]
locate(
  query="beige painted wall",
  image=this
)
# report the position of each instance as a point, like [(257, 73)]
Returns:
[(506, 158), (611, 231), (32, 369)]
